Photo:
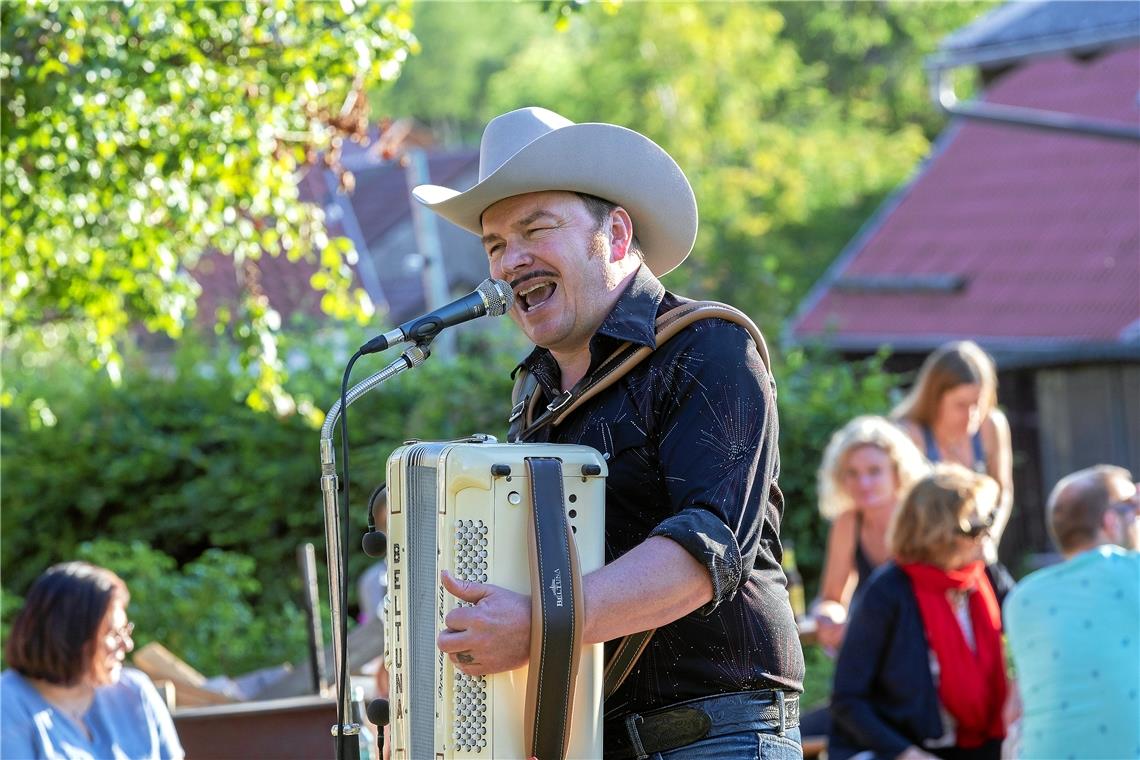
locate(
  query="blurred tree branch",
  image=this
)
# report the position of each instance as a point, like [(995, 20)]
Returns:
[(139, 135)]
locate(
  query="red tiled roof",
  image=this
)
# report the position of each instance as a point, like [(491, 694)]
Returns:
[(381, 199), (1043, 228), (387, 200)]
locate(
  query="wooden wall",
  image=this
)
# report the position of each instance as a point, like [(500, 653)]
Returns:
[(1088, 415)]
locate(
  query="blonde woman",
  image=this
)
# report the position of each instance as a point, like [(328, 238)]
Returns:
[(951, 414), (868, 467)]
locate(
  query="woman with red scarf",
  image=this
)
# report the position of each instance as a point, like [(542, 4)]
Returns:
[(921, 673)]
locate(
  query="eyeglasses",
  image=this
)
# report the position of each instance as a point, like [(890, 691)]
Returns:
[(1128, 506), (120, 636), (978, 529), (1126, 509)]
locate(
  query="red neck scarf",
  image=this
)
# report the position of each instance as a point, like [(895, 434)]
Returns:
[(972, 684)]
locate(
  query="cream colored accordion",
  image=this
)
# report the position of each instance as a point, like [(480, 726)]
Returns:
[(465, 507)]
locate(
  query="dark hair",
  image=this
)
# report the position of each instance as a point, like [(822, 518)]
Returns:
[(600, 209), (53, 636)]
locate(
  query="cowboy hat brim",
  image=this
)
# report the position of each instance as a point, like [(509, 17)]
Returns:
[(604, 160)]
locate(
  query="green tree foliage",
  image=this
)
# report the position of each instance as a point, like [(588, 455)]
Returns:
[(138, 135), (198, 500), (203, 611), (792, 120)]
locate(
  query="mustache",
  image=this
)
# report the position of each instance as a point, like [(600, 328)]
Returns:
[(531, 276)]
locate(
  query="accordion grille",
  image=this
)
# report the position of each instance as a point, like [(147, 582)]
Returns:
[(469, 731), (421, 587)]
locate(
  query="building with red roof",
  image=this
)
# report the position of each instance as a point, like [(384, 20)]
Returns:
[(1021, 231), (1022, 240), (378, 217)]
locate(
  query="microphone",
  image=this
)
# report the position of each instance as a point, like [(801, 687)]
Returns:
[(492, 297)]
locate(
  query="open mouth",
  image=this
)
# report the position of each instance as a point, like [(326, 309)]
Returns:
[(536, 295)]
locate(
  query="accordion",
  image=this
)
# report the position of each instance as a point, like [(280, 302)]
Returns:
[(466, 507)]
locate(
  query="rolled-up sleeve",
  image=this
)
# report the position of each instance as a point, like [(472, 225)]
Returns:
[(717, 439)]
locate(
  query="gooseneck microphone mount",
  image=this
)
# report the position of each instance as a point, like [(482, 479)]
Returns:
[(335, 540)]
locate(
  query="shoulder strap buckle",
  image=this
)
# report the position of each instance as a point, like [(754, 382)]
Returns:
[(517, 410), (561, 400)]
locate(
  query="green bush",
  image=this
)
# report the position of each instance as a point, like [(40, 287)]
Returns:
[(818, 394), (200, 501), (202, 611), (191, 484)]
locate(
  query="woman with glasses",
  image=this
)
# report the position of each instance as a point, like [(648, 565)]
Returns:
[(921, 672), (66, 693)]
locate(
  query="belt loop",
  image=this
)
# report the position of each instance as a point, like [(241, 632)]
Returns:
[(631, 722), (783, 711)]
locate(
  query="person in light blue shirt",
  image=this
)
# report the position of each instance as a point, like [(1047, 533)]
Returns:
[(67, 695), (1074, 628)]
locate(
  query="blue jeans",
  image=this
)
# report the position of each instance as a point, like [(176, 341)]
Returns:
[(738, 732), (758, 744)]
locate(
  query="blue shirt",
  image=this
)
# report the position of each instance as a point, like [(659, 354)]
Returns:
[(127, 721), (1074, 633)]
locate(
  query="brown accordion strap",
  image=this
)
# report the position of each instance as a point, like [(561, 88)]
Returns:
[(523, 423), (621, 662), (557, 614)]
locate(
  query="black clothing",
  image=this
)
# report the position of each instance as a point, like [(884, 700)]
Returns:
[(863, 564), (884, 698), (690, 437)]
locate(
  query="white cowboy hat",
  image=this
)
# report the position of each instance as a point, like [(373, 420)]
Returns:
[(533, 149)]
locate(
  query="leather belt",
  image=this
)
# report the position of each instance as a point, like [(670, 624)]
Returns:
[(639, 736)]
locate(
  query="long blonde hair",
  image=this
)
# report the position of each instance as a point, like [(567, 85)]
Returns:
[(962, 362), (866, 430)]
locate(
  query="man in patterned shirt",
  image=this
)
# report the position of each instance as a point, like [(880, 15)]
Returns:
[(1073, 629), (582, 220)]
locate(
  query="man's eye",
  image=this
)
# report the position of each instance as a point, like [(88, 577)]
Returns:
[(494, 250)]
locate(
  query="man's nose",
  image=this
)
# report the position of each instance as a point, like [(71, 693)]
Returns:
[(514, 259)]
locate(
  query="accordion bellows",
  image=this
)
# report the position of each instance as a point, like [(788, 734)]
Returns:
[(464, 507)]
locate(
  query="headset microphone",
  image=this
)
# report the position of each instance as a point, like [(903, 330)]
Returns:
[(375, 542)]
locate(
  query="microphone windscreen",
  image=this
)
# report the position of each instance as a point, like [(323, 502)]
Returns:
[(377, 711), (375, 544)]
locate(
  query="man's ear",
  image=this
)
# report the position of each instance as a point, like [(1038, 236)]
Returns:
[(620, 231), (1110, 526)]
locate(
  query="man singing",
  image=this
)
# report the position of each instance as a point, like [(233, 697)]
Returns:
[(582, 220)]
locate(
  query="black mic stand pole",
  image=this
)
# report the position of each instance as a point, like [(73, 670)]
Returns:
[(413, 357)]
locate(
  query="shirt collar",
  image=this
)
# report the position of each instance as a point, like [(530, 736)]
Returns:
[(633, 319), (634, 315)]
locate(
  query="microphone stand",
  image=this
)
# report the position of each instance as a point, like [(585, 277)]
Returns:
[(413, 357)]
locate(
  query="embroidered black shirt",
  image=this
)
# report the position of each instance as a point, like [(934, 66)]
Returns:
[(690, 437)]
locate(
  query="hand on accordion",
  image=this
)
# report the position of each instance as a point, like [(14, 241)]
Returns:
[(490, 634)]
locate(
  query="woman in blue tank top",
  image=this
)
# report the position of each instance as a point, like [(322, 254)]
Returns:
[(951, 414)]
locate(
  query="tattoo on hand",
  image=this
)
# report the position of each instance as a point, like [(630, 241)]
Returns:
[(465, 658)]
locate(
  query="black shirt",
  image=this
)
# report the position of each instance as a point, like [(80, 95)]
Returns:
[(690, 437)]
